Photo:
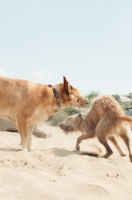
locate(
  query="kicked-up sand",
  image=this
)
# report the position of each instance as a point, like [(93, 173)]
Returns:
[(54, 170)]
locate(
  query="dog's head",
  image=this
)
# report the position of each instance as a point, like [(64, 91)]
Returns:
[(72, 123), (69, 95)]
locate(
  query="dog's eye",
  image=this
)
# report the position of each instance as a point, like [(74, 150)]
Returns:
[(79, 99), (68, 119)]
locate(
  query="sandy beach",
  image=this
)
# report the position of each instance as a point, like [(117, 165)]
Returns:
[(54, 170)]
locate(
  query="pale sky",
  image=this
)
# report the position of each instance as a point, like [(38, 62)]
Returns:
[(88, 41)]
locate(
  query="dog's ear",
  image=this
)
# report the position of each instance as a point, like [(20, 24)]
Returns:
[(69, 89), (81, 116), (67, 85)]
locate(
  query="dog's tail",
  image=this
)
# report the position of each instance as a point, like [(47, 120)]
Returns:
[(127, 118)]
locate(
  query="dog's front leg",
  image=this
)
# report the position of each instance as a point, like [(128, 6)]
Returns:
[(79, 139), (29, 132), (21, 124), (84, 136)]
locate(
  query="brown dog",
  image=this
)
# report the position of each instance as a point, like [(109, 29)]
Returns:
[(104, 119), (27, 103)]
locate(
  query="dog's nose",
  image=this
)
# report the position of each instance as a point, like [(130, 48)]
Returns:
[(86, 102), (60, 125)]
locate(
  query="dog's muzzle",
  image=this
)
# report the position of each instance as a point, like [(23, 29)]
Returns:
[(65, 128), (61, 126)]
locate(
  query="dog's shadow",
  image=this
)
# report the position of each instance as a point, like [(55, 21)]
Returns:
[(63, 152), (59, 152), (9, 149)]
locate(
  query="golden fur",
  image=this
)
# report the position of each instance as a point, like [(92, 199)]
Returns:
[(104, 120), (27, 103)]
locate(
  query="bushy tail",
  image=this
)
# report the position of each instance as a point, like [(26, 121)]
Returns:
[(127, 118)]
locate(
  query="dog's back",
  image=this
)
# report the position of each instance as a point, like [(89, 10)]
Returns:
[(14, 93), (105, 106)]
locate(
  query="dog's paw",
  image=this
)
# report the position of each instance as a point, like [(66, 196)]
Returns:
[(78, 148), (24, 150), (30, 149)]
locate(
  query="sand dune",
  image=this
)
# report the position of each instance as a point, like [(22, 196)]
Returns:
[(55, 171)]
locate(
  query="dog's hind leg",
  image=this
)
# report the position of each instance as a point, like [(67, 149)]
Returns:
[(101, 132), (114, 142), (126, 135), (104, 142)]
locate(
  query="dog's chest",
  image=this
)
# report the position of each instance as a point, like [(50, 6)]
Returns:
[(39, 115)]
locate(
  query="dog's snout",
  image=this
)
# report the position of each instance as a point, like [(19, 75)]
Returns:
[(86, 102), (61, 125)]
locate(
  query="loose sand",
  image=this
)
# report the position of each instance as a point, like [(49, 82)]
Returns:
[(55, 171)]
